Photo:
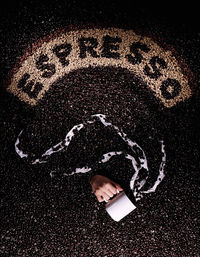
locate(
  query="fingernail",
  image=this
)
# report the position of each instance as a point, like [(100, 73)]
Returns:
[(117, 191)]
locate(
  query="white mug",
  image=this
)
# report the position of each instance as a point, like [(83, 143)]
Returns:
[(119, 206)]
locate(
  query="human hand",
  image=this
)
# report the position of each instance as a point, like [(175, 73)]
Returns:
[(104, 188)]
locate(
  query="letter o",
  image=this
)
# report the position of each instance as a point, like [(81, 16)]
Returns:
[(170, 88)]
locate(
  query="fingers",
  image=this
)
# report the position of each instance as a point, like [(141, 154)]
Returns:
[(105, 196), (104, 188), (102, 197), (107, 192), (118, 187), (110, 193), (112, 189)]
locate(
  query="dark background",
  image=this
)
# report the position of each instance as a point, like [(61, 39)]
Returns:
[(41, 216)]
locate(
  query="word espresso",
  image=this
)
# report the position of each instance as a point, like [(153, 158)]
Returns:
[(73, 50)]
